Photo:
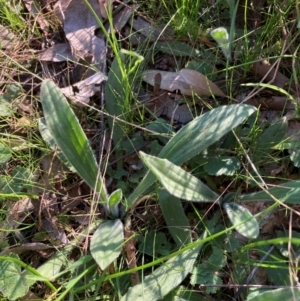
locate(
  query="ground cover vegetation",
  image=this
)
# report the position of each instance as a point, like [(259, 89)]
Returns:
[(149, 150)]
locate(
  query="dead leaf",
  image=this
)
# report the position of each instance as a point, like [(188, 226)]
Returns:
[(145, 28), (35, 11), (79, 26), (16, 214), (34, 246), (122, 17), (188, 82), (58, 53), (7, 38), (83, 90), (262, 68), (105, 6)]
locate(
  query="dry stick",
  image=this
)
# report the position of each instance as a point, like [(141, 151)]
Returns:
[(131, 252)]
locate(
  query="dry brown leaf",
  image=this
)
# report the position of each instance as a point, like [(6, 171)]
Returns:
[(58, 53), (83, 90), (80, 26), (7, 38), (262, 68), (142, 26), (188, 82)]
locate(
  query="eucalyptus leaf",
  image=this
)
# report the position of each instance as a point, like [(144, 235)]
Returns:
[(64, 126), (195, 137), (177, 181), (106, 242), (246, 224)]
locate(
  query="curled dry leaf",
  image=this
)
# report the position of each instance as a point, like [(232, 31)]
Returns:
[(189, 82), (83, 90)]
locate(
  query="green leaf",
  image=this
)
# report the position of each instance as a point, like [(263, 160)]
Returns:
[(106, 243), (114, 200), (175, 218), (286, 192), (224, 165), (269, 139), (195, 137), (201, 274), (5, 154), (155, 243), (165, 278), (70, 137), (217, 260), (295, 157), (184, 294), (177, 181), (13, 284), (176, 48), (51, 267), (246, 224), (51, 142), (286, 294), (221, 36)]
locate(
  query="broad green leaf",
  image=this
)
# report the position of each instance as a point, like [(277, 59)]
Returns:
[(63, 125), (175, 218), (165, 278), (223, 165), (51, 142), (177, 48), (7, 98), (286, 294), (5, 154), (246, 224), (155, 243), (51, 267), (195, 137), (106, 243), (202, 274), (177, 181), (13, 284), (286, 192), (269, 139)]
